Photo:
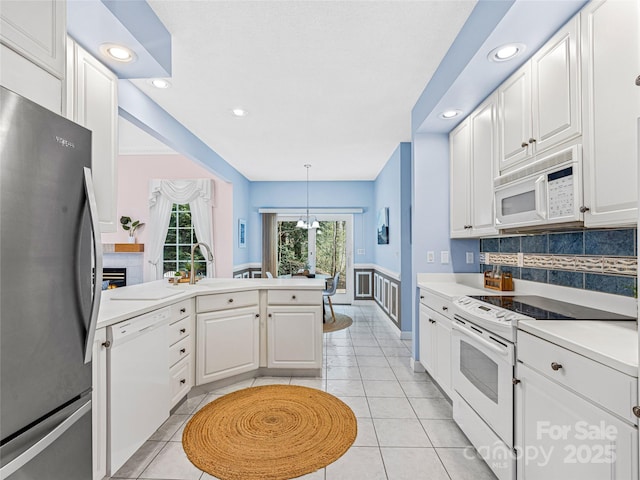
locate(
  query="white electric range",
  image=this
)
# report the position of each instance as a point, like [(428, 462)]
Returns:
[(483, 360)]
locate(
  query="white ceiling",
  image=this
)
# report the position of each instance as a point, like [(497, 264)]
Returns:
[(330, 83)]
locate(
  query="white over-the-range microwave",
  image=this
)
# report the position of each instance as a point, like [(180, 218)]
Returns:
[(544, 193)]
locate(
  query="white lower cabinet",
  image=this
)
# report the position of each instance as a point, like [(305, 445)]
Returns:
[(99, 404), (294, 336), (562, 435), (573, 415), (181, 351), (435, 342), (228, 343)]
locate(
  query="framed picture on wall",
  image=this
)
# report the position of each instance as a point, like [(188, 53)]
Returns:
[(383, 226), (242, 233)]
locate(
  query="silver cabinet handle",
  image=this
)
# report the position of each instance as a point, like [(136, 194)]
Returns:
[(230, 300), (555, 366), (97, 275), (293, 297), (183, 381), (183, 330), (106, 344), (445, 308), (183, 350), (532, 140), (636, 411), (584, 209), (183, 310), (524, 144)]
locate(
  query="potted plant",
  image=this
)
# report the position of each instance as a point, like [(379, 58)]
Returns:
[(131, 227)]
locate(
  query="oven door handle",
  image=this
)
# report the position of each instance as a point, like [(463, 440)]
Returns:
[(477, 338)]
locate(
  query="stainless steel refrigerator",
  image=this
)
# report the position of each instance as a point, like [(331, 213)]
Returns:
[(49, 295)]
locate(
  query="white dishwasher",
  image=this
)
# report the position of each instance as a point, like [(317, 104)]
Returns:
[(138, 360)]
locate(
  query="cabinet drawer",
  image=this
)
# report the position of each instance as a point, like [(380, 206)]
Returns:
[(182, 309), (436, 303), (609, 388), (223, 301), (179, 330), (180, 380), (295, 297), (179, 350)]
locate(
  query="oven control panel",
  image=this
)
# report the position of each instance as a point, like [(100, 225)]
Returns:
[(498, 320)]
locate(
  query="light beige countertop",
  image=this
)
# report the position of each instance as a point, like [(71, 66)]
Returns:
[(123, 303), (611, 343)]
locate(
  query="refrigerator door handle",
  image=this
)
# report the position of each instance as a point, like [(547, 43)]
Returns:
[(38, 447), (97, 250)]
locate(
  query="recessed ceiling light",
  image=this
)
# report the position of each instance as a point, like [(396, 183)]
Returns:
[(160, 83), (506, 52), (447, 114), (239, 112), (118, 53)]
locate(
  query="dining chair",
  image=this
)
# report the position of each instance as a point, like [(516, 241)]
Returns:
[(329, 292)]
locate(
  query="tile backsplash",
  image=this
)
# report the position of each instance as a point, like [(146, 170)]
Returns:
[(598, 260)]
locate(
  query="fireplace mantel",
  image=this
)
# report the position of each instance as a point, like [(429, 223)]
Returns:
[(123, 247)]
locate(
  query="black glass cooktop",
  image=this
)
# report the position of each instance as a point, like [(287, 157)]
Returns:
[(542, 308)]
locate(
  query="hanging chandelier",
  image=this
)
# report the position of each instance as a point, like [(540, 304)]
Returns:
[(307, 224)]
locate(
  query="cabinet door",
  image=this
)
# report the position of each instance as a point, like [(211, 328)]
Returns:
[(483, 160), (294, 337), (443, 353), (562, 435), (99, 405), (555, 87), (36, 30), (611, 102), (427, 340), (228, 343), (515, 118), (94, 89), (459, 141)]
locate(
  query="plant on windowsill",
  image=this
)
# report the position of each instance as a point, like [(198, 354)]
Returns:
[(131, 227)]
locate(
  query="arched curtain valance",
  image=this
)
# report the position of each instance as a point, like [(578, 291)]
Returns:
[(198, 193)]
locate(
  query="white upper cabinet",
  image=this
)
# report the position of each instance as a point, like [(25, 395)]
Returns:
[(32, 50), (483, 159), (92, 101), (473, 156), (611, 102), (36, 29), (540, 103), (459, 157), (515, 117)]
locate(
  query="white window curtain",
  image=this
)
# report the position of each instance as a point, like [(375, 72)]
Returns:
[(198, 193)]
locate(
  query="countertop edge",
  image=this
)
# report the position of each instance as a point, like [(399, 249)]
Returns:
[(133, 308)]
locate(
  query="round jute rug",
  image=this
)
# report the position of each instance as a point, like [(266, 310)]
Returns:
[(342, 321), (270, 432)]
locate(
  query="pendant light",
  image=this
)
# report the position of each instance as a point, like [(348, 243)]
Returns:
[(301, 222)]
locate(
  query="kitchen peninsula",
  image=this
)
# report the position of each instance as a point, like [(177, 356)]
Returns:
[(156, 341)]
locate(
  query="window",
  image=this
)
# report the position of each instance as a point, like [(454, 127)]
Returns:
[(177, 246)]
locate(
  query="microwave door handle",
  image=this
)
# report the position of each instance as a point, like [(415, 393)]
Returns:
[(540, 192)]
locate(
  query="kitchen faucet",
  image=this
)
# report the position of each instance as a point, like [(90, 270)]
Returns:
[(192, 278)]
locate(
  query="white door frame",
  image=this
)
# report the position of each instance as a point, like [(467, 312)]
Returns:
[(342, 298)]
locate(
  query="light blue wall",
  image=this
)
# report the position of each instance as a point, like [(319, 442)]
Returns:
[(321, 194), (387, 194), (392, 189), (430, 216)]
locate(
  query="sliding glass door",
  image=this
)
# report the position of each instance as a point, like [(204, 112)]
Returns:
[(323, 251)]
